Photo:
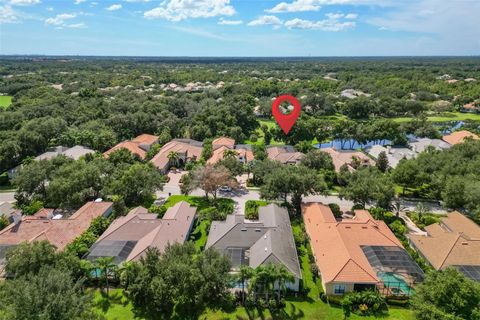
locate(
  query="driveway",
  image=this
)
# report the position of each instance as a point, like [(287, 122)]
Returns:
[(7, 196)]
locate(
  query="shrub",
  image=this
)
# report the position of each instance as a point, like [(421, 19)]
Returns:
[(335, 209), (32, 207), (253, 138), (251, 210), (368, 301), (160, 210), (4, 181)]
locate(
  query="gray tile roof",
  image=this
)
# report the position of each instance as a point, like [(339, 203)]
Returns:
[(270, 240)]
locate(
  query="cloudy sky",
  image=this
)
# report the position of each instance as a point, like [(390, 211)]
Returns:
[(240, 27)]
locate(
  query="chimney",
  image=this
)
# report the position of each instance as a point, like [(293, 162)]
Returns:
[(17, 217)]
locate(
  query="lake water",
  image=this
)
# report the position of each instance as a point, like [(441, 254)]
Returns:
[(353, 144)]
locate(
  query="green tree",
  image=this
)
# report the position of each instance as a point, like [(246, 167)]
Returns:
[(107, 269), (179, 283), (50, 294), (293, 181), (173, 158), (137, 184), (368, 185), (382, 162), (446, 294), (318, 160), (407, 174)]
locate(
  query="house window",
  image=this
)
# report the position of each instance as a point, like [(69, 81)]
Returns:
[(339, 289)]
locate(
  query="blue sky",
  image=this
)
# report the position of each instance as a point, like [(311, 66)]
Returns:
[(240, 27)]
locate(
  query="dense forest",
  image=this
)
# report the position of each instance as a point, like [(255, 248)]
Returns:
[(99, 102)]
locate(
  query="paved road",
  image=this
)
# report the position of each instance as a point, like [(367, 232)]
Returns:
[(7, 196)]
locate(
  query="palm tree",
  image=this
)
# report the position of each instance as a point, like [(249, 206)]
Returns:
[(397, 206), (126, 273), (107, 267), (173, 158), (283, 277), (421, 209), (230, 153), (246, 273)]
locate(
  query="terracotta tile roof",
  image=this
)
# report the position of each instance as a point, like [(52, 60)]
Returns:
[(242, 152), (139, 145), (471, 106), (130, 146), (223, 141), (455, 241), (146, 139), (459, 137), (340, 158), (191, 149), (284, 154), (337, 244), (59, 232)]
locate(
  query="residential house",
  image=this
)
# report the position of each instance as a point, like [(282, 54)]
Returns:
[(255, 243), (284, 154), (394, 155), (128, 237), (455, 241), (186, 150), (138, 146), (357, 254), (48, 224), (221, 145), (352, 159), (422, 144), (74, 153), (459, 137), (470, 107)]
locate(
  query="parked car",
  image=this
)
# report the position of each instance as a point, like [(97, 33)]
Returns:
[(225, 189)]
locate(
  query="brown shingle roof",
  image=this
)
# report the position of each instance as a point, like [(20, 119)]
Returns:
[(459, 137), (148, 231), (337, 244), (455, 241), (59, 232)]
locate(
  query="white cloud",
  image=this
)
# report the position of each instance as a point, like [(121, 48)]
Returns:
[(177, 10), (8, 15), (137, 0), (230, 22), (79, 1), (315, 5), (351, 16), (333, 23), (24, 2), (59, 19), (296, 6), (265, 20), (50, 9), (114, 7), (77, 25)]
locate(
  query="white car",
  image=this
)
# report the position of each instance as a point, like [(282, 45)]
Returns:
[(225, 189)]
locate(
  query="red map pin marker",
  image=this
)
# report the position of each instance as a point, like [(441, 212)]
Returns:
[(286, 121)]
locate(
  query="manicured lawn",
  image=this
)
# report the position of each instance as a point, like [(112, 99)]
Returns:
[(200, 234), (451, 116), (5, 101), (116, 307)]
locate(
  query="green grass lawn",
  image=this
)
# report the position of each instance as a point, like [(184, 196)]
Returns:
[(445, 117), (116, 307), (5, 101)]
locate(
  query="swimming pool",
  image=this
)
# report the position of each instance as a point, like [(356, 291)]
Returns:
[(395, 282)]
